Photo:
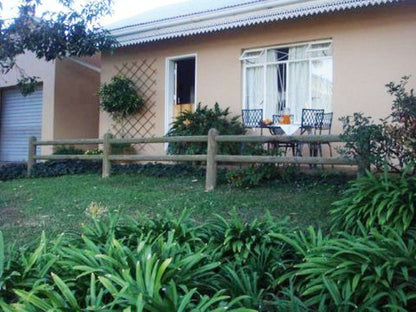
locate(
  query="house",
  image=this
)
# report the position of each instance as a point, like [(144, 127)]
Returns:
[(269, 54), (64, 105)]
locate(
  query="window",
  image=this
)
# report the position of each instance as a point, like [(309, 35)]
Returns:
[(294, 77)]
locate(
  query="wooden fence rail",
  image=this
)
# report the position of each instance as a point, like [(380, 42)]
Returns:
[(211, 158)]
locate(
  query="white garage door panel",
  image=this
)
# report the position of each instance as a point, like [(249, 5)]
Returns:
[(20, 118)]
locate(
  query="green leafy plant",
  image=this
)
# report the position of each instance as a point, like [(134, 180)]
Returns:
[(362, 139), (198, 123), (392, 141), (173, 264), (251, 176), (94, 151), (13, 171), (27, 85), (400, 127), (375, 272), (377, 202), (119, 98), (67, 150), (72, 32), (122, 149)]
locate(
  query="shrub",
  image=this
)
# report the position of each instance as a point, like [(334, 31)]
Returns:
[(120, 99), (352, 273), (56, 168), (173, 264), (251, 176), (94, 151), (123, 149), (63, 167), (67, 150), (12, 171), (377, 202), (104, 272), (198, 123), (393, 141), (362, 139), (160, 170)]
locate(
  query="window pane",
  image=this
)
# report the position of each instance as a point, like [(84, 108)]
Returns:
[(276, 89), (298, 52), (321, 74), (254, 87), (253, 57), (275, 55), (298, 88), (320, 49)]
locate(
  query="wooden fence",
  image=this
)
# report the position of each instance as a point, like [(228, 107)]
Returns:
[(211, 158)]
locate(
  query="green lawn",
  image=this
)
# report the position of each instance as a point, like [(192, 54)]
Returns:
[(28, 206)]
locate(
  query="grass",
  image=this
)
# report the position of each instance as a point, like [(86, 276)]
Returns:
[(29, 206)]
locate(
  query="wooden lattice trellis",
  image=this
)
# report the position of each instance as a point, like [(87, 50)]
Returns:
[(143, 74)]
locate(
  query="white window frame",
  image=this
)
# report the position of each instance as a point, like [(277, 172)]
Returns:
[(168, 88), (265, 64)]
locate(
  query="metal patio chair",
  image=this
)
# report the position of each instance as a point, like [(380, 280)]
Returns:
[(252, 118), (310, 124), (326, 125)]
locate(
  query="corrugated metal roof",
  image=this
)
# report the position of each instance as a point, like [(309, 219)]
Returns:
[(201, 16), (177, 10)]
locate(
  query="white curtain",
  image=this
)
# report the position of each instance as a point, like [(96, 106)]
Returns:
[(272, 95), (321, 73), (254, 87), (298, 84)]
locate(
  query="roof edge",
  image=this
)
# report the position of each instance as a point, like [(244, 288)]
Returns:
[(232, 17)]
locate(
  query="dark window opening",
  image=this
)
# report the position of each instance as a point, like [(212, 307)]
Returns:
[(185, 81)]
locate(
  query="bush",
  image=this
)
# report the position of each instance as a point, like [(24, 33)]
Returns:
[(67, 150), (160, 170), (393, 141), (377, 202), (251, 176), (199, 123), (13, 171), (54, 168), (173, 264), (63, 167), (94, 151), (120, 99), (375, 272), (123, 149)]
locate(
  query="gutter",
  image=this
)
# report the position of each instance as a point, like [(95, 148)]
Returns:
[(85, 64), (227, 18), (203, 16)]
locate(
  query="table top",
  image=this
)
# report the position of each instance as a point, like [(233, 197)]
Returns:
[(283, 129)]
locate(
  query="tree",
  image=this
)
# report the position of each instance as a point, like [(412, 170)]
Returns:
[(75, 31)]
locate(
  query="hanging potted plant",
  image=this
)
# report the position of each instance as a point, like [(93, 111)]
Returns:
[(120, 99)]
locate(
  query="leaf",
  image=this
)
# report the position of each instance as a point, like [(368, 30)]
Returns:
[(66, 292)]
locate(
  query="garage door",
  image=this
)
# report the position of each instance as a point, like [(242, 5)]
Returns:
[(20, 118)]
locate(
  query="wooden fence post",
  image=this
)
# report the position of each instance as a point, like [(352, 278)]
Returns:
[(211, 173), (106, 153), (31, 155)]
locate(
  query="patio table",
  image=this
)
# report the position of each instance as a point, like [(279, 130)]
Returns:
[(283, 129)]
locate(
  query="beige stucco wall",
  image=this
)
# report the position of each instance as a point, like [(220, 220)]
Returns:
[(76, 101), (371, 47), (33, 66)]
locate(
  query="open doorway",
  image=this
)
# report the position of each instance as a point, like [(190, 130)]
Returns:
[(180, 87)]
